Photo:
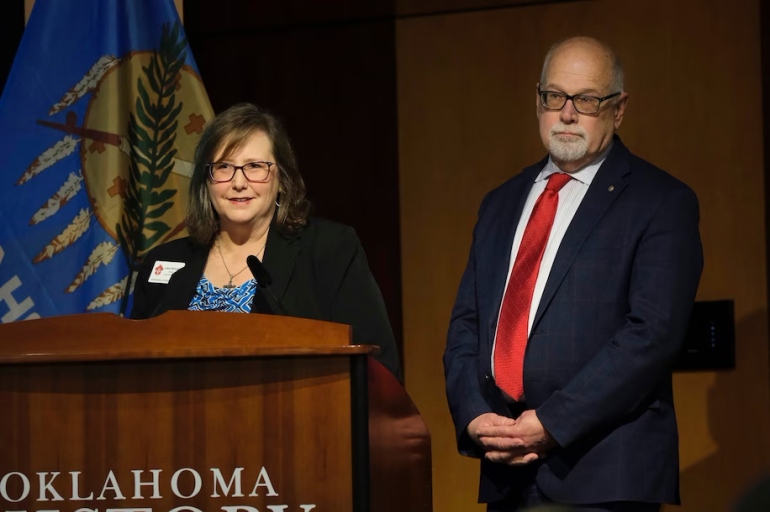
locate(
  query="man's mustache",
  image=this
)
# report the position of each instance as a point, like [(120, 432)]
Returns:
[(562, 130)]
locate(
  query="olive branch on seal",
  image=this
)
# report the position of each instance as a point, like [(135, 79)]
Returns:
[(151, 136)]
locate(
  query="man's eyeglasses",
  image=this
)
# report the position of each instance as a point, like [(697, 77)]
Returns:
[(554, 100), (255, 172)]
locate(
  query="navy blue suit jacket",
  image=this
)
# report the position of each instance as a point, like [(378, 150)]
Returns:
[(597, 368)]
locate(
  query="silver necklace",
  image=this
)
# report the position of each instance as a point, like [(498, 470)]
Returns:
[(232, 276)]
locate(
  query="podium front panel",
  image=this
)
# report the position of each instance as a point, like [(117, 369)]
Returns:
[(238, 435)]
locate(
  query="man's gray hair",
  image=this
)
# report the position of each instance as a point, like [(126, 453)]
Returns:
[(616, 83)]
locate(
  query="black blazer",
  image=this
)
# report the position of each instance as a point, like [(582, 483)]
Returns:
[(320, 272), (597, 368)]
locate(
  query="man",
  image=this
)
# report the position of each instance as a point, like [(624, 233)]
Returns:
[(573, 305)]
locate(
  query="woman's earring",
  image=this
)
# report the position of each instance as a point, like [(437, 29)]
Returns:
[(277, 204)]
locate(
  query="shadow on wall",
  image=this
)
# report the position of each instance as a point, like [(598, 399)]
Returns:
[(736, 423), (756, 499)]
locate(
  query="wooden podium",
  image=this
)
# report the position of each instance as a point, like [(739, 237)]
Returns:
[(203, 411)]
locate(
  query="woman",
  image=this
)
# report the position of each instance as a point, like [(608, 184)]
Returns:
[(247, 198)]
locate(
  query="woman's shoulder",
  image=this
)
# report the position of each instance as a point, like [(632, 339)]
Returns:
[(324, 228), (329, 239)]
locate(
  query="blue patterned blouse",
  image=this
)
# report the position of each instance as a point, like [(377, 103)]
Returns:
[(233, 300)]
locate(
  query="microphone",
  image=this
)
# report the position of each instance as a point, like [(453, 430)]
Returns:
[(263, 279)]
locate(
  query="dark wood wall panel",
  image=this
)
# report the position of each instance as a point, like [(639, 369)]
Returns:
[(764, 31), (329, 73), (11, 29), (466, 93), (406, 8), (254, 16)]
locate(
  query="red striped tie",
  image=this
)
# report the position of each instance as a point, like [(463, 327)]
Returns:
[(513, 327)]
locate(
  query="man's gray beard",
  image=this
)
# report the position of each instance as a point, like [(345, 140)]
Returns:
[(568, 150)]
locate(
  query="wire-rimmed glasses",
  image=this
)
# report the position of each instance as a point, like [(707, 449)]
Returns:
[(254, 172), (584, 103)]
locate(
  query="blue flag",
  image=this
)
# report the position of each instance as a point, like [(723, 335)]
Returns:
[(99, 121)]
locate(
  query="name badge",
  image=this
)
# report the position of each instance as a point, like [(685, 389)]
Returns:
[(163, 270)]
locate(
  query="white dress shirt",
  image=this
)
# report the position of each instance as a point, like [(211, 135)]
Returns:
[(570, 197)]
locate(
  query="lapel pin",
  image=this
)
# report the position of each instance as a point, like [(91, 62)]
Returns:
[(611, 188)]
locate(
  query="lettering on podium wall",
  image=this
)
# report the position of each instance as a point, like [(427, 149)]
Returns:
[(55, 491)]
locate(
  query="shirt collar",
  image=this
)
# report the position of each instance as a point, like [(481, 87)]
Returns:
[(584, 175)]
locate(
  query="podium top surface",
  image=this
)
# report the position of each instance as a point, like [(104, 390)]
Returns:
[(172, 335)]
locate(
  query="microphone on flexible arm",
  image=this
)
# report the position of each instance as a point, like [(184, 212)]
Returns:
[(263, 279)]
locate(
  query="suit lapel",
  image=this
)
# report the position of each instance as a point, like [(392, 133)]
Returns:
[(280, 257), (607, 185), (182, 285)]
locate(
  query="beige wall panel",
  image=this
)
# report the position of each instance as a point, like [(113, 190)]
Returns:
[(466, 90)]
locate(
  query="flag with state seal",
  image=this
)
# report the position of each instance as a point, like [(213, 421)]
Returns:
[(99, 120)]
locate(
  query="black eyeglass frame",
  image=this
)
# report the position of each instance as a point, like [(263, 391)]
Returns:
[(568, 97), (210, 168)]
